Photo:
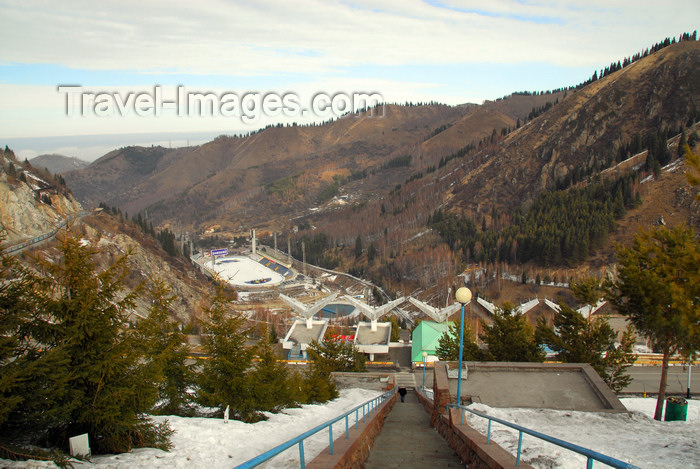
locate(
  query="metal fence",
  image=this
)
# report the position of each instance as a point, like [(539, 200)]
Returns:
[(589, 454), (367, 408)]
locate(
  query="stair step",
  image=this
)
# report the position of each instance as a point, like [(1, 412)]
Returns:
[(405, 380)]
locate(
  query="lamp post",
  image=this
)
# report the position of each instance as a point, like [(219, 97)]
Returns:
[(462, 295), (690, 372), (425, 355)]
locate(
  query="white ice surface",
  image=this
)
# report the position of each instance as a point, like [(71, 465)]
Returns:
[(239, 270)]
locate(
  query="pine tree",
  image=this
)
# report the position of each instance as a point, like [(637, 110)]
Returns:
[(270, 381), (163, 346), (28, 400), (577, 340), (358, 247), (223, 380), (658, 288), (587, 291), (395, 330), (511, 338), (83, 372), (693, 162), (448, 344), (618, 359), (328, 356)]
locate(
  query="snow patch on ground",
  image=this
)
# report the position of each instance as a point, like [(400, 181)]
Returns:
[(636, 438), (212, 444), (669, 168)]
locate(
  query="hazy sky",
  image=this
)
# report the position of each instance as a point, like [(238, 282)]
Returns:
[(447, 51)]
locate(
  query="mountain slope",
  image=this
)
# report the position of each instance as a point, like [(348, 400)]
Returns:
[(382, 179), (32, 203), (210, 175), (586, 129), (57, 164)]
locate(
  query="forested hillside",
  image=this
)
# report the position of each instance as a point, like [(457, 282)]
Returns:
[(531, 181)]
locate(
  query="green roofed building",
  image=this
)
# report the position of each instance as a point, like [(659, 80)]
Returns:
[(425, 339)]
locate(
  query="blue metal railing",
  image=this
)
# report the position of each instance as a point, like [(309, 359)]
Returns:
[(428, 393), (367, 408), (589, 454)]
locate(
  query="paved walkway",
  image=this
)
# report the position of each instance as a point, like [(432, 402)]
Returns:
[(408, 441)]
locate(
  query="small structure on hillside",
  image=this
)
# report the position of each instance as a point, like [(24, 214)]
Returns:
[(439, 315), (425, 339), (373, 313), (308, 311), (305, 329), (373, 337), (372, 341), (301, 334)]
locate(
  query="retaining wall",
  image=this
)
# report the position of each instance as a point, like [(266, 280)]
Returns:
[(352, 452), (469, 444)]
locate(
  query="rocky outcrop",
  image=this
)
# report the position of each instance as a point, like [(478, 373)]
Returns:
[(26, 211)]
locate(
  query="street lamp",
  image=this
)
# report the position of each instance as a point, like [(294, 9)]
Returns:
[(462, 295), (690, 371), (425, 355)]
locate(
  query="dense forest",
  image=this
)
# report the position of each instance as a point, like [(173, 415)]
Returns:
[(560, 228)]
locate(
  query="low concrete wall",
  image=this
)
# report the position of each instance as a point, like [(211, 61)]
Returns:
[(469, 444), (353, 452), (562, 386)]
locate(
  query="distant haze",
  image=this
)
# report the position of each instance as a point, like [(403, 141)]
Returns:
[(90, 147), (57, 164)]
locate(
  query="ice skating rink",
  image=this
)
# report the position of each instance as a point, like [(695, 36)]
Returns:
[(243, 271)]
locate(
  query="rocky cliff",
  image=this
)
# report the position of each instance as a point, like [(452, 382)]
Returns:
[(31, 203)]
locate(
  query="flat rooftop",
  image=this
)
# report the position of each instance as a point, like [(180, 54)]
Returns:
[(300, 334), (536, 385), (366, 336)]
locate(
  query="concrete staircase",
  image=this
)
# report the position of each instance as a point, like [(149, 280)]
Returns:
[(405, 380), (408, 441)]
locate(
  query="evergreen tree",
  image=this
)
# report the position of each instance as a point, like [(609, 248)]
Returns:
[(587, 291), (448, 344), (328, 356), (618, 359), (693, 162), (85, 374), (223, 380), (511, 338), (371, 252), (682, 142), (163, 346), (358, 247), (28, 399), (270, 380), (658, 289), (395, 330), (577, 340)]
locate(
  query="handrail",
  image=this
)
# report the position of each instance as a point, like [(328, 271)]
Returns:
[(428, 393), (589, 454), (372, 405)]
